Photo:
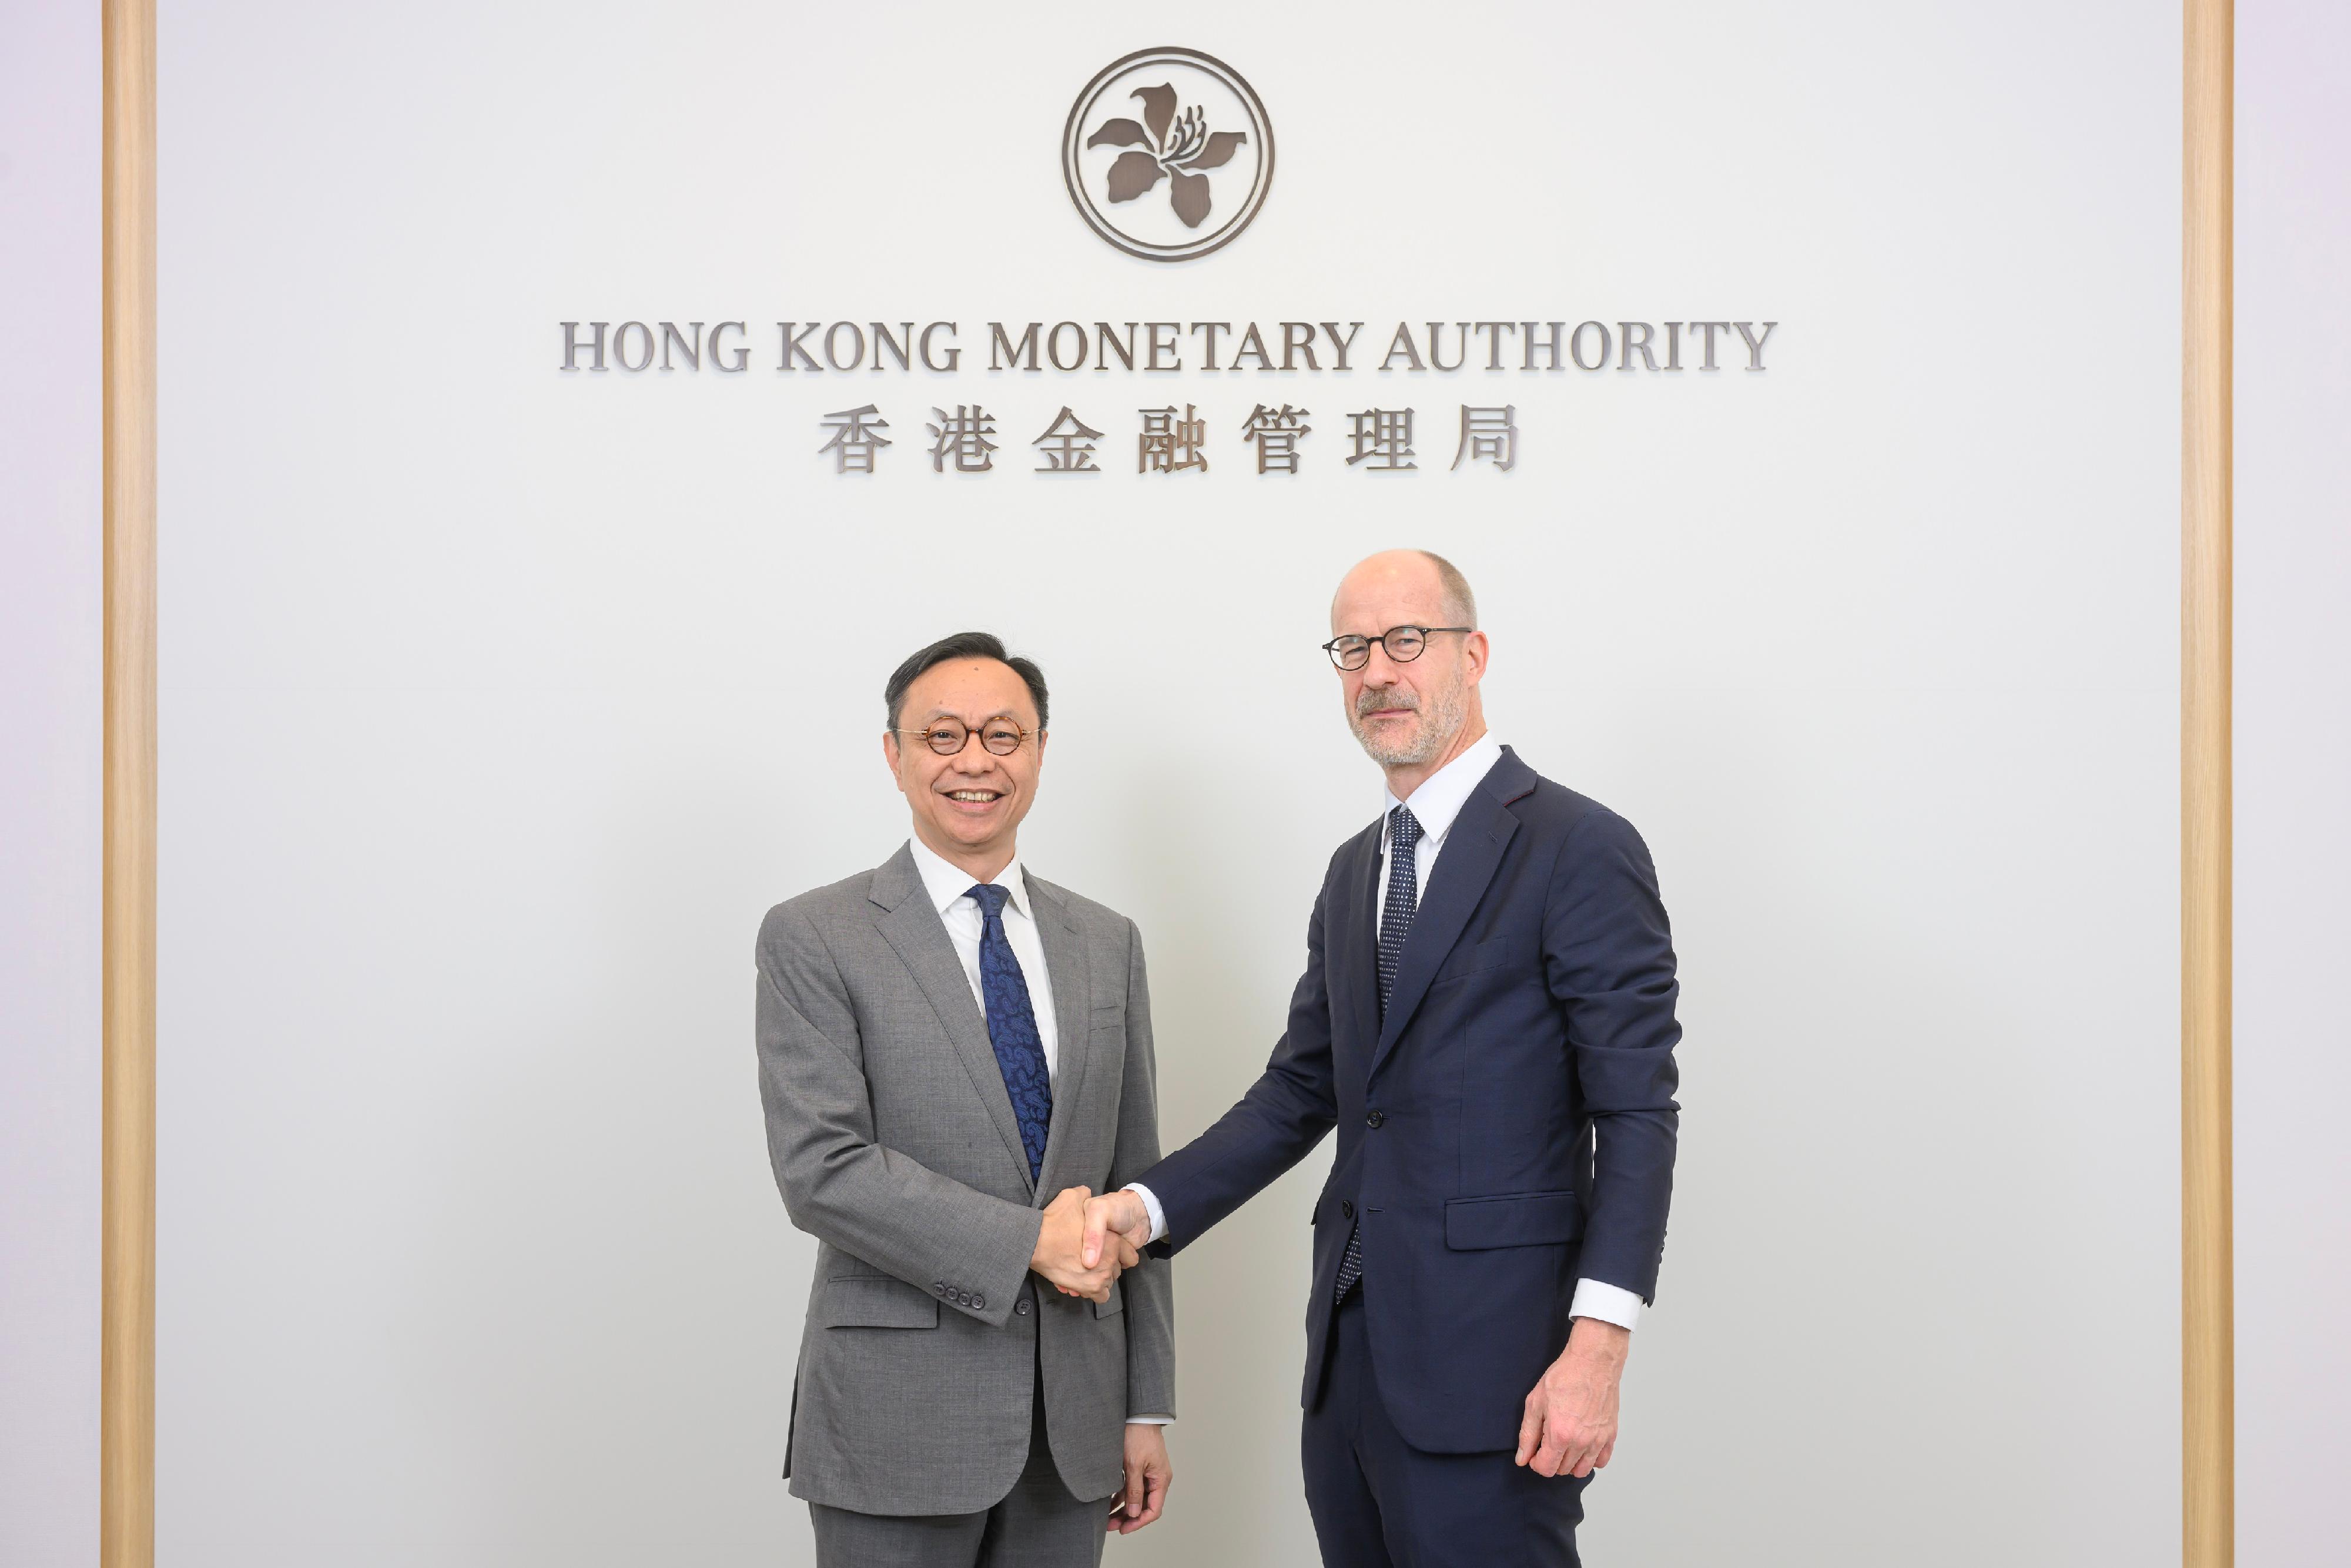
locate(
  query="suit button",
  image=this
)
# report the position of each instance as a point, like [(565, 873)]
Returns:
[(1021, 1306), (1346, 1209), (1375, 1118), (978, 1301), (940, 1286)]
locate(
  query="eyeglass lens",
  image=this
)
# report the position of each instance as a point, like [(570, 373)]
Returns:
[(1404, 644), (949, 736)]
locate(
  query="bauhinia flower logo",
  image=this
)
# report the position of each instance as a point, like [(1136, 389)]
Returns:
[(1175, 145), (1169, 117)]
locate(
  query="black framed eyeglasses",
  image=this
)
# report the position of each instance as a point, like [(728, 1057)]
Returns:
[(948, 737), (1402, 644)]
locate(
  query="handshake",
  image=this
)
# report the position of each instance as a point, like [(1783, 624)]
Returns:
[(1086, 1242)]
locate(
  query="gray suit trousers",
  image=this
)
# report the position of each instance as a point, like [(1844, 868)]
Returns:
[(1038, 1525)]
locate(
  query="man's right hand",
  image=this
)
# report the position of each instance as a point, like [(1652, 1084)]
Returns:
[(1117, 1222), (1056, 1256)]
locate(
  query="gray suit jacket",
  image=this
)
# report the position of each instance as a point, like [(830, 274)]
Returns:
[(895, 1146)]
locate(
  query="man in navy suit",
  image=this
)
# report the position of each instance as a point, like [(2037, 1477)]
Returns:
[(1487, 1016)]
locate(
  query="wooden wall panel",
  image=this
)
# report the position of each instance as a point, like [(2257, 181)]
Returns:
[(2206, 1256), (127, 1348)]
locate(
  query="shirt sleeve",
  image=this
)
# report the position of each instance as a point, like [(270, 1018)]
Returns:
[(1609, 1303), (1151, 1206)]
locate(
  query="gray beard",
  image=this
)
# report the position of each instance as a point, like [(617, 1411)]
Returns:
[(1440, 722)]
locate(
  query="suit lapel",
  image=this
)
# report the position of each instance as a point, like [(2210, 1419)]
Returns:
[(920, 938), (1473, 850), (1065, 959), (1351, 948)]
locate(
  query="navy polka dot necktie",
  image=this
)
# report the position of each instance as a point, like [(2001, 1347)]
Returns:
[(1012, 1028), (1395, 925)]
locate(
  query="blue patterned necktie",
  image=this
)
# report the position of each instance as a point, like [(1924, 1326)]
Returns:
[(1012, 1028), (1395, 925)]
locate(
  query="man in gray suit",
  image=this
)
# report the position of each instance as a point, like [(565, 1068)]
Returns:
[(954, 1055)]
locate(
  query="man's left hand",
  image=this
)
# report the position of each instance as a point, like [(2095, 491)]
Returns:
[(1570, 1427), (1148, 1477)]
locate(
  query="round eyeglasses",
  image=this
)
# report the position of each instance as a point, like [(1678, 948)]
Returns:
[(1402, 644), (948, 737)]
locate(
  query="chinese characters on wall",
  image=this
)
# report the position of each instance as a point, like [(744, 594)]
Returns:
[(1175, 439)]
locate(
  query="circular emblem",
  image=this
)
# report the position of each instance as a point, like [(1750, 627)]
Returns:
[(1168, 154)]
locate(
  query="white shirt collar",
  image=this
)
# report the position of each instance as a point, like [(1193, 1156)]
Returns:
[(1443, 793), (946, 882)]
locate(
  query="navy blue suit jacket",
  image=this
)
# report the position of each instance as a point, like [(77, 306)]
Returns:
[(1533, 1007)]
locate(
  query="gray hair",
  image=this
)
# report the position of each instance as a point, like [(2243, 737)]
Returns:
[(1460, 605)]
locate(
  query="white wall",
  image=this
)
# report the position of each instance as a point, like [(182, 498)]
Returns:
[(49, 609), (2293, 775), (498, 705)]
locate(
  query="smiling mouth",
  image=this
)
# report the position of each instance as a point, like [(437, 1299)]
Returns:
[(975, 797)]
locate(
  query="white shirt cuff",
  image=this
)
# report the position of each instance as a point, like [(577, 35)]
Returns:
[(1609, 1303), (1149, 1421), (1151, 1206)]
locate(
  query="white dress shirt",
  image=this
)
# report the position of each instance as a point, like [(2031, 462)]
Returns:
[(1435, 806), (950, 888)]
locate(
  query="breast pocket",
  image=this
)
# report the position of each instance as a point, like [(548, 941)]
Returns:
[(1477, 959), (1106, 1036)]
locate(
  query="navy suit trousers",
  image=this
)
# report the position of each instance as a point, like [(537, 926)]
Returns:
[(1379, 1502)]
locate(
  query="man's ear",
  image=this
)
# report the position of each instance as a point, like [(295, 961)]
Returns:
[(890, 752), (1474, 646)]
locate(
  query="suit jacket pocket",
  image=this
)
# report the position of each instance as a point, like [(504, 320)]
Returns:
[(1484, 955), (1116, 1304), (1518, 1220), (863, 1302)]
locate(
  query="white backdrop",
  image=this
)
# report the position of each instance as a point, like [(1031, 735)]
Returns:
[(2293, 772), (498, 705), (50, 516)]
